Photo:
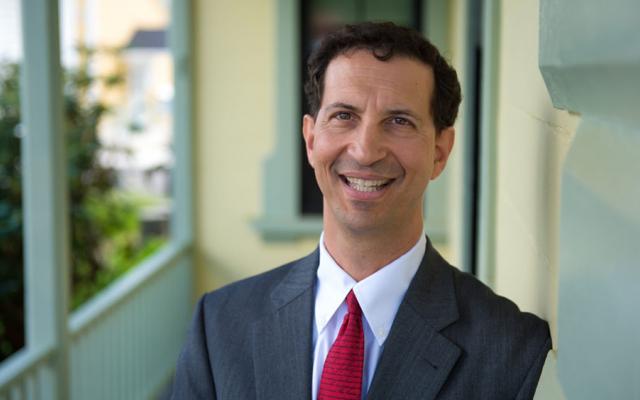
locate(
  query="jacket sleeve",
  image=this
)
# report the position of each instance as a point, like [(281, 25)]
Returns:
[(528, 388), (194, 377)]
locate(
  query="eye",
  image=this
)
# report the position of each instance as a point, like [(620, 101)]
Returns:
[(401, 121), (343, 116)]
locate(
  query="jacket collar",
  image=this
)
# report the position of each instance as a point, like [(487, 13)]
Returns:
[(416, 359)]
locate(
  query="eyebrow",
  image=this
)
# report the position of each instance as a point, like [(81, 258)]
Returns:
[(345, 106), (392, 111), (403, 111)]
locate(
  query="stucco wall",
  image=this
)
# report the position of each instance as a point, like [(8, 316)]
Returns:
[(532, 141), (235, 109)]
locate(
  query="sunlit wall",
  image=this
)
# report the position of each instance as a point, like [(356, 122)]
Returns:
[(235, 132)]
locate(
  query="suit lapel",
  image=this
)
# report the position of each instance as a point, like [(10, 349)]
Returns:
[(282, 340), (417, 359)]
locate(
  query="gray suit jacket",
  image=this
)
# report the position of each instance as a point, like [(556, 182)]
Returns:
[(452, 338)]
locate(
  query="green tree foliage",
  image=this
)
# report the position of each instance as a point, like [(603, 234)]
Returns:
[(105, 227), (11, 259)]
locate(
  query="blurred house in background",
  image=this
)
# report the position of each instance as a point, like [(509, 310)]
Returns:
[(540, 199), (128, 40)]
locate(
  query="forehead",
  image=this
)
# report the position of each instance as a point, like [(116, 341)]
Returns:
[(358, 75)]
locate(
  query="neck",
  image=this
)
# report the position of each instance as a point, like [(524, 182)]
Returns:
[(361, 254)]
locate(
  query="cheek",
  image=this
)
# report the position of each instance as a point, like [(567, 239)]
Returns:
[(325, 152), (415, 158)]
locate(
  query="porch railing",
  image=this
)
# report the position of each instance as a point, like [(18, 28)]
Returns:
[(123, 344)]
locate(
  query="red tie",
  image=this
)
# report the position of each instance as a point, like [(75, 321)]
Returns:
[(342, 373)]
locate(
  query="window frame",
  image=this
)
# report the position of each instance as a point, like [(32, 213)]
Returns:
[(282, 218)]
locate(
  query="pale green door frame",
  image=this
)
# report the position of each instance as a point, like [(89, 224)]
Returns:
[(437, 203), (486, 228), (476, 141), (181, 45), (590, 61)]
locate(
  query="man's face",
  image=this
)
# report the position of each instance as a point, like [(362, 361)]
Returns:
[(373, 144)]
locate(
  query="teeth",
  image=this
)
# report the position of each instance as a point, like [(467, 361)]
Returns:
[(366, 185)]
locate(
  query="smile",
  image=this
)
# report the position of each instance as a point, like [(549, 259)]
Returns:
[(366, 185)]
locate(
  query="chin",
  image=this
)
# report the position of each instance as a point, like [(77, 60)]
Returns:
[(364, 224)]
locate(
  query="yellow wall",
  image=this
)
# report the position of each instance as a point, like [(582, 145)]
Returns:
[(533, 138), (235, 108)]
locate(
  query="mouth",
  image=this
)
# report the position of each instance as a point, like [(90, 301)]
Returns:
[(365, 185)]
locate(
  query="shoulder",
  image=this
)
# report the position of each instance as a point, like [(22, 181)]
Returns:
[(250, 294), (486, 311), (498, 340), (480, 311), (218, 344), (253, 297)]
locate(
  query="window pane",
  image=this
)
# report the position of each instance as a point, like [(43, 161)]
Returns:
[(119, 93), (11, 255)]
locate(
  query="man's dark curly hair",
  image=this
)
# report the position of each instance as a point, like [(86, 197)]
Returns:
[(385, 40)]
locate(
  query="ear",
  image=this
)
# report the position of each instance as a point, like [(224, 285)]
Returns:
[(444, 144), (308, 127)]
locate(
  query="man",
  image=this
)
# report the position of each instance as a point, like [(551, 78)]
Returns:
[(374, 312)]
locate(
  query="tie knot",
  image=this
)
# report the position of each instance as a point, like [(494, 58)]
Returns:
[(352, 304)]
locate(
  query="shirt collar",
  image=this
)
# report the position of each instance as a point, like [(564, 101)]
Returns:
[(379, 295)]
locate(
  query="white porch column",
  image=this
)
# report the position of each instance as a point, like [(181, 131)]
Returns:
[(45, 192)]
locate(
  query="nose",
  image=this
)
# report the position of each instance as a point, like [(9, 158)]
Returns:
[(367, 145)]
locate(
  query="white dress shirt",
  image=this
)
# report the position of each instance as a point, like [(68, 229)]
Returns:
[(379, 295)]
